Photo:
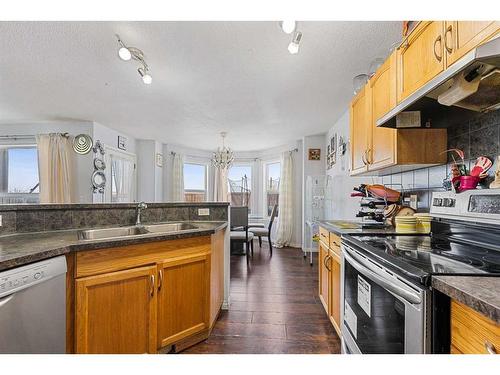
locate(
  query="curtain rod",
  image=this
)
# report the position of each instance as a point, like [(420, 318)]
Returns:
[(27, 136)]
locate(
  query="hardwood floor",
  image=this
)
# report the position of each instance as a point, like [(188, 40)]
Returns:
[(274, 308)]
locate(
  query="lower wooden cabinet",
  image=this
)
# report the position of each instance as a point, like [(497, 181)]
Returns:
[(330, 278), (324, 276), (143, 298), (334, 307), (183, 297), (116, 312), (471, 332)]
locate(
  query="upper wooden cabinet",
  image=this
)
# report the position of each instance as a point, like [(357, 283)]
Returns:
[(382, 141), (116, 312), (462, 36), (360, 119), (421, 57), (381, 148)]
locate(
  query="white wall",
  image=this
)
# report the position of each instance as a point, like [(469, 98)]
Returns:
[(342, 206), (311, 168), (149, 174), (109, 137), (83, 163)]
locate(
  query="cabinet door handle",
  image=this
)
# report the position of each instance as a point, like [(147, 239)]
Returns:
[(152, 286), (490, 348), (368, 158), (327, 258), (438, 39), (449, 30), (160, 279), (363, 158), (336, 244)]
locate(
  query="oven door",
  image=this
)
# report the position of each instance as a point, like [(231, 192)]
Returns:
[(381, 313)]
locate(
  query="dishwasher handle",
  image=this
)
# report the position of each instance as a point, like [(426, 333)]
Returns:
[(5, 300)]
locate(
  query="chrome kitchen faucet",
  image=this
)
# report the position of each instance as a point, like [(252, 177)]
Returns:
[(141, 206)]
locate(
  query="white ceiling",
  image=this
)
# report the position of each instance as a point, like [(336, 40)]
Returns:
[(208, 77)]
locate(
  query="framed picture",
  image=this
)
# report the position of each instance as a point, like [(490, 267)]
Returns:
[(122, 143), (314, 154)]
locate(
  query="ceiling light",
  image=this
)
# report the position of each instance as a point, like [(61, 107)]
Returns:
[(127, 53), (146, 77), (293, 47), (124, 53), (223, 157), (288, 27)]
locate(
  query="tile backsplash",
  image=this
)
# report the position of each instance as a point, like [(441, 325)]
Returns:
[(479, 136)]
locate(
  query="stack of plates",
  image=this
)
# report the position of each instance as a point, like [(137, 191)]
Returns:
[(406, 224), (423, 223)]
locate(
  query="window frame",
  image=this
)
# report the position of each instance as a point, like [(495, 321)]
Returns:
[(252, 186), (107, 172), (9, 195), (205, 167), (265, 165)]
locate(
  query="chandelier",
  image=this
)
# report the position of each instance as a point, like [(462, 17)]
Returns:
[(223, 157)]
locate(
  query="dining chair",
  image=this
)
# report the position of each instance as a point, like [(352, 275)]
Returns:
[(266, 232), (239, 228)]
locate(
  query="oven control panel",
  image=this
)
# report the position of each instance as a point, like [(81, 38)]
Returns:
[(24, 276), (480, 205)]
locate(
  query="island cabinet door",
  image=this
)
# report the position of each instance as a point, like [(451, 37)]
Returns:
[(183, 297), (116, 312)]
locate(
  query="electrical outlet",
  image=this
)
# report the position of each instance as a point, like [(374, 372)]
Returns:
[(203, 211), (414, 201)]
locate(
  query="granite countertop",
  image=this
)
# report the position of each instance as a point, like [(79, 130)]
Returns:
[(480, 293), (23, 248), (344, 227)]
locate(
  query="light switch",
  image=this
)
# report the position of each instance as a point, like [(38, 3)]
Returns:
[(203, 211)]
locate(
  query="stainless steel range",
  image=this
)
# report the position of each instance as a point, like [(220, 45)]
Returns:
[(388, 305)]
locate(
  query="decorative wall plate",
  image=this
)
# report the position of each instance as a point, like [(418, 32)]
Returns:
[(99, 164), (82, 144), (98, 181)]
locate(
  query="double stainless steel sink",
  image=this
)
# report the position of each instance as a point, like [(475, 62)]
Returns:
[(117, 232)]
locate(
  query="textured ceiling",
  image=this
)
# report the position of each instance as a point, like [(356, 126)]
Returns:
[(208, 77)]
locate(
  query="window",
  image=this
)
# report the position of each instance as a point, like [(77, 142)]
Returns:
[(272, 185), (195, 182), (120, 175), (19, 174), (239, 179)]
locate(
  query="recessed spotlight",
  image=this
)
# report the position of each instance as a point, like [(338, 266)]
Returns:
[(146, 77), (124, 53), (288, 27), (293, 47)]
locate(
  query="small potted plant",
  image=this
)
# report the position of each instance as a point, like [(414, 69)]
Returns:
[(461, 178)]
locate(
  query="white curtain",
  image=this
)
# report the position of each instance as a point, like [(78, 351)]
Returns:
[(178, 178), (55, 168), (220, 185), (284, 229), (122, 172)]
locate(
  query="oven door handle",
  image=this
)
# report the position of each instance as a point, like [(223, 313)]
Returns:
[(362, 267)]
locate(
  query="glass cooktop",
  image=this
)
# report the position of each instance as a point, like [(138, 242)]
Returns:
[(430, 255)]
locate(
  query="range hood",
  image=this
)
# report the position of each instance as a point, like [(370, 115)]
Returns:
[(470, 85)]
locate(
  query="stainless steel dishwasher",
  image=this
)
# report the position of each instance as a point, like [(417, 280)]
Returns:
[(33, 308)]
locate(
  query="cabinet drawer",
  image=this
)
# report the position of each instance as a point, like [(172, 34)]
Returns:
[(94, 262), (324, 236), (471, 332), (335, 243)]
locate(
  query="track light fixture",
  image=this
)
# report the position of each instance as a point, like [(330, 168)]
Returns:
[(288, 27), (293, 47), (126, 53)]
